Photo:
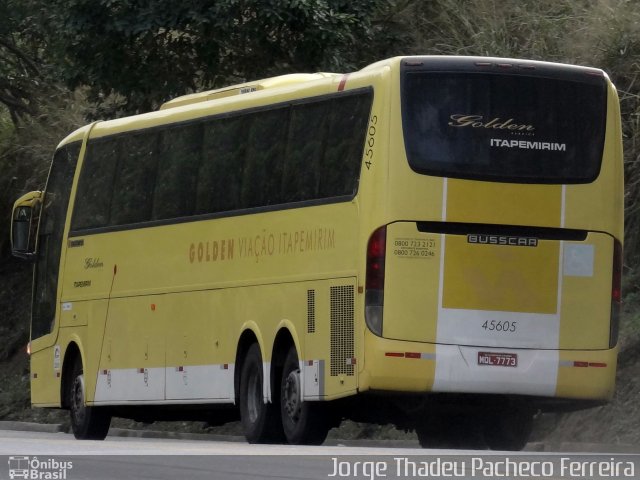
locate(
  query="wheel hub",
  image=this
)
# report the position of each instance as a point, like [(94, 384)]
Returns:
[(77, 399), (292, 400)]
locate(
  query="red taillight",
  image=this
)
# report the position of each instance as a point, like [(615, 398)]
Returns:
[(374, 294), (616, 281), (375, 259), (616, 293)]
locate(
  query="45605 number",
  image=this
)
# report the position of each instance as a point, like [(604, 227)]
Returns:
[(371, 141), (509, 326)]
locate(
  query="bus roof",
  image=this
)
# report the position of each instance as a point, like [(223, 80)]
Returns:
[(248, 87), (294, 80)]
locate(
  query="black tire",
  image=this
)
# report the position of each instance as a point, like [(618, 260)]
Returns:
[(509, 430), (260, 421), (87, 423), (304, 423)]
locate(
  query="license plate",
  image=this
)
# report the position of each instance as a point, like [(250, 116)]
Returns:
[(498, 359)]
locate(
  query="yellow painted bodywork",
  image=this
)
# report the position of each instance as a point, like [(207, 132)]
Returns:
[(503, 203), (472, 281), (587, 382), (182, 295)]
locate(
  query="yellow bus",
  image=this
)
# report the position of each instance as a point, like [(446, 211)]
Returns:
[(430, 241)]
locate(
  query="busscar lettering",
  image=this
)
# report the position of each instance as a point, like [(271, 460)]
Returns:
[(82, 284), (502, 240)]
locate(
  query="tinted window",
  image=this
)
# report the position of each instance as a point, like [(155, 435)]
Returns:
[(302, 167), (504, 127), (343, 153), (180, 156), (262, 175), (220, 174), (135, 179), (50, 233), (285, 153), (95, 189)]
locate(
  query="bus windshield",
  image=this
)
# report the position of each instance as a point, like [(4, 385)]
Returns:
[(504, 127)]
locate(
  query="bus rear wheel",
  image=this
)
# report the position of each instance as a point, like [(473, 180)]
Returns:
[(260, 420), (87, 423), (304, 423)]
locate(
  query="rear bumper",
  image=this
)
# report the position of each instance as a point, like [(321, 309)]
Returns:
[(401, 366)]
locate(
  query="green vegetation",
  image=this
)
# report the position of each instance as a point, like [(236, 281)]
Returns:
[(66, 62)]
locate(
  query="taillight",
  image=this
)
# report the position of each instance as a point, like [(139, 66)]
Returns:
[(616, 293), (374, 287)]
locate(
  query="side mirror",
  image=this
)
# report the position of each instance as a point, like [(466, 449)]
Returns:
[(24, 223)]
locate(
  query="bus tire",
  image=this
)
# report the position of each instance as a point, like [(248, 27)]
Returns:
[(87, 423), (260, 420), (304, 423), (508, 430)]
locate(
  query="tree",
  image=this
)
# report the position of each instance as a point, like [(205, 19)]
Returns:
[(154, 50), (20, 58)]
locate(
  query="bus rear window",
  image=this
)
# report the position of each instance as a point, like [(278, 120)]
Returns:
[(504, 127)]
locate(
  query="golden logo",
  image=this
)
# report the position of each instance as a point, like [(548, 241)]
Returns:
[(461, 120)]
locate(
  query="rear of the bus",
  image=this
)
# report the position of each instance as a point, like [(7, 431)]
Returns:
[(497, 267)]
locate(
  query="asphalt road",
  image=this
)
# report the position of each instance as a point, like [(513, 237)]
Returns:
[(40, 443), (130, 458)]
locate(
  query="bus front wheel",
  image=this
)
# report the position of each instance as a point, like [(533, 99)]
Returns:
[(260, 420), (304, 423), (87, 423)]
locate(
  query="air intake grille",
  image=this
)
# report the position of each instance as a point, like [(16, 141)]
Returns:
[(342, 348), (311, 311)]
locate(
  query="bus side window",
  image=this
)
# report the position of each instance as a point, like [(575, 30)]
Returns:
[(343, 155), (305, 148), (135, 179), (262, 175), (220, 174), (95, 188), (180, 156)]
